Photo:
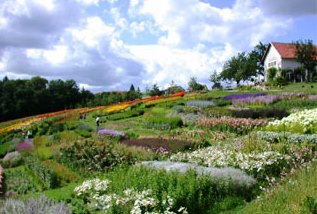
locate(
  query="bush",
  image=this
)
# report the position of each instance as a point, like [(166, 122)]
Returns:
[(64, 175), (46, 176), (91, 157), (19, 181)]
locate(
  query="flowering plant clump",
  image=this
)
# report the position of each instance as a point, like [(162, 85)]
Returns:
[(262, 163), (238, 177), (274, 137), (111, 132), (27, 144), (243, 96), (98, 197), (117, 107), (312, 97), (238, 125), (200, 103), (266, 99), (298, 122)]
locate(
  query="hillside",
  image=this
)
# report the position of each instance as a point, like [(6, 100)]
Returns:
[(221, 151)]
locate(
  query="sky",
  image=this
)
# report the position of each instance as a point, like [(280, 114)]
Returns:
[(107, 45)]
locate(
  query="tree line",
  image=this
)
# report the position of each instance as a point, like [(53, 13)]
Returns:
[(21, 98)]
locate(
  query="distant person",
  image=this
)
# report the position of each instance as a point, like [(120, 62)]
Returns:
[(97, 121), (28, 134)]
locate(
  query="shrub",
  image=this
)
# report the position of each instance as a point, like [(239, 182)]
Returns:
[(64, 175), (271, 73), (19, 181), (36, 206), (46, 176), (91, 157)]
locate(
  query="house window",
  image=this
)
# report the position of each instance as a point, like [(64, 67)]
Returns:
[(272, 64)]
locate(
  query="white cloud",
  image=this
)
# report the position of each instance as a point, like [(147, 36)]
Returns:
[(88, 2), (92, 32)]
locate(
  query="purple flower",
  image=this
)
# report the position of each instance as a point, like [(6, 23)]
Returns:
[(243, 96), (25, 145), (111, 132)]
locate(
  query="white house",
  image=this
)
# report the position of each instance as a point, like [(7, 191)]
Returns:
[(281, 56)]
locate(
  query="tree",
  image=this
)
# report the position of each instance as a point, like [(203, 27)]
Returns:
[(173, 88), (240, 68), (215, 79), (257, 54), (155, 91), (306, 55), (193, 85)]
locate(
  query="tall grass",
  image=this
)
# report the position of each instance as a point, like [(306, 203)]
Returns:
[(289, 197)]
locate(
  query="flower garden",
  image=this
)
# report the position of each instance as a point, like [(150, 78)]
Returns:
[(217, 152)]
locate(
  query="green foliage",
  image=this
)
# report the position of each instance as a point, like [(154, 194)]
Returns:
[(164, 122), (155, 91), (63, 174), (311, 204), (271, 73), (91, 157), (46, 176), (125, 114), (193, 85), (289, 196), (240, 67), (20, 98), (306, 55), (199, 194), (19, 181)]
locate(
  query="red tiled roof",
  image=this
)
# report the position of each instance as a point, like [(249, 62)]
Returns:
[(286, 50)]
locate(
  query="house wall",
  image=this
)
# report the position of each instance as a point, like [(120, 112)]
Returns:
[(289, 64), (273, 59)]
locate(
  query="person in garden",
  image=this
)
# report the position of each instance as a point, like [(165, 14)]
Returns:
[(97, 121)]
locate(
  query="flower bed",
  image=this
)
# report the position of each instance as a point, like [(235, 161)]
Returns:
[(200, 103), (117, 107), (274, 137), (111, 132), (27, 144), (264, 99), (243, 96), (261, 164), (299, 122), (238, 125), (158, 144)]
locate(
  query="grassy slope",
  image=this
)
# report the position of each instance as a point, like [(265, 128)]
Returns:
[(289, 196)]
